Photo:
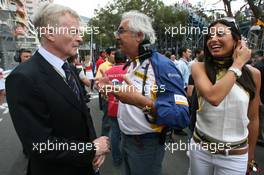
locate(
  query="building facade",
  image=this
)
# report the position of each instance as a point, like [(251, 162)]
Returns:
[(16, 31), (33, 5)]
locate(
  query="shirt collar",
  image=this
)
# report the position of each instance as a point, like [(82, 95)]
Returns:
[(55, 61), (138, 65), (184, 60), (109, 63)]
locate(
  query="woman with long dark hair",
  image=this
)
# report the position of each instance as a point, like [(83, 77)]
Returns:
[(226, 130)]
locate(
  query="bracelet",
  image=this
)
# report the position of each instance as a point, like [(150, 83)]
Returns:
[(236, 71)]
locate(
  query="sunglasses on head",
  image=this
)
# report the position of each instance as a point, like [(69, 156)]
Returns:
[(231, 20)]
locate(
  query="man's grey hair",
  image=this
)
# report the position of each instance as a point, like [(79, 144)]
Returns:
[(49, 15), (139, 22)]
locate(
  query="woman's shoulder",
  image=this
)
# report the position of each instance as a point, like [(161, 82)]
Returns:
[(197, 65), (253, 70), (255, 73)]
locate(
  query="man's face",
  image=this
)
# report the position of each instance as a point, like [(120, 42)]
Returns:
[(187, 54), (24, 56), (103, 55), (200, 55), (111, 57), (128, 41), (68, 39), (173, 57)]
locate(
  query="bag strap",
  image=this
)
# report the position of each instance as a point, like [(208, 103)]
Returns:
[(166, 133), (145, 79), (150, 120)]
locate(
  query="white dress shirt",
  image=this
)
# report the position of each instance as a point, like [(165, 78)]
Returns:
[(55, 61)]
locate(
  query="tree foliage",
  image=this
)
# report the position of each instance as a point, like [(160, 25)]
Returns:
[(109, 17)]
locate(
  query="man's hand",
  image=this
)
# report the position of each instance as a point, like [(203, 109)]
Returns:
[(103, 83), (129, 94), (102, 145), (98, 161)]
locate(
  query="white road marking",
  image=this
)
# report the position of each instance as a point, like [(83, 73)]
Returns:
[(5, 108)]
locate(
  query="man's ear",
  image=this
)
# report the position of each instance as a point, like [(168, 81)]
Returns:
[(184, 53), (140, 37), (49, 35), (46, 34)]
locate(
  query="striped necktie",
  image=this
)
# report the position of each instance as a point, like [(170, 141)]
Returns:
[(71, 81)]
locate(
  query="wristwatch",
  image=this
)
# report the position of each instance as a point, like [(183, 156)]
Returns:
[(146, 109), (236, 71)]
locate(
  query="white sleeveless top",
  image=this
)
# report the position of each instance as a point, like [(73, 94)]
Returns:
[(228, 121)]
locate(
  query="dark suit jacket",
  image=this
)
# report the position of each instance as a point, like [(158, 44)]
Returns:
[(44, 109)]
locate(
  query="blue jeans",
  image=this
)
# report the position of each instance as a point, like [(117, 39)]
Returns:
[(115, 141), (142, 155)]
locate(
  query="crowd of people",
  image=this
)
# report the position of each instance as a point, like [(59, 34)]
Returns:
[(144, 96)]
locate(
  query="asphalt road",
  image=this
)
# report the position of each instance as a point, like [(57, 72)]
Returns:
[(174, 164)]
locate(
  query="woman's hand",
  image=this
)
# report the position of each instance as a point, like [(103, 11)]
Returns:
[(241, 54)]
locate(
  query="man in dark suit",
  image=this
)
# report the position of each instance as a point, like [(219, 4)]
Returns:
[(47, 106)]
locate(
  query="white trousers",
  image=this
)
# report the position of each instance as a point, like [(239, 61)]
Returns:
[(203, 162)]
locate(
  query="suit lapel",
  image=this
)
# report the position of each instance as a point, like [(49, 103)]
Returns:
[(57, 82)]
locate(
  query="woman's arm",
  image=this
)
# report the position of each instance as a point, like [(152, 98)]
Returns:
[(213, 93), (84, 79)]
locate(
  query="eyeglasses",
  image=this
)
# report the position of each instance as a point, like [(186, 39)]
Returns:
[(231, 20), (120, 31)]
